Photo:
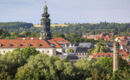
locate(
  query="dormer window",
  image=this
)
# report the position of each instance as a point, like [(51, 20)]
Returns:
[(10, 45), (20, 45), (29, 45), (52, 45), (0, 45), (39, 45)]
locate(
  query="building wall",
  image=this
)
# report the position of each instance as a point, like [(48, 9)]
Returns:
[(59, 49), (81, 55), (48, 51), (5, 50)]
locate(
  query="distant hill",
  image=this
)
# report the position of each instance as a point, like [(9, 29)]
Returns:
[(16, 25), (53, 25)]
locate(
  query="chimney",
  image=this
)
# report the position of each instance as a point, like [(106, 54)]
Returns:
[(115, 56)]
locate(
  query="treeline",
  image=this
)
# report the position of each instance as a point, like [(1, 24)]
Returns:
[(16, 26), (29, 64), (13, 35), (79, 28), (116, 28)]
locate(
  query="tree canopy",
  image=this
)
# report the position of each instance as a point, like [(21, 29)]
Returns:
[(28, 64)]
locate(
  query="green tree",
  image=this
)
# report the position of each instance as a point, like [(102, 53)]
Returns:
[(12, 60), (70, 50)]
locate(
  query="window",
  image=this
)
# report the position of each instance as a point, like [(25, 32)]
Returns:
[(47, 51), (42, 51), (20, 45), (10, 45), (0, 45), (39, 45), (3, 51), (29, 45)]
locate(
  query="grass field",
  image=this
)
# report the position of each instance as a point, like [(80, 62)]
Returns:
[(52, 25)]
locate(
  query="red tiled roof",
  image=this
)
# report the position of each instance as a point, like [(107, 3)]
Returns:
[(60, 40), (122, 50), (122, 38), (95, 55), (32, 42), (15, 43), (123, 42), (54, 43)]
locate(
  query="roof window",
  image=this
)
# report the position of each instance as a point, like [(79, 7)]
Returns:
[(20, 45), (10, 45), (0, 45), (29, 45), (39, 45)]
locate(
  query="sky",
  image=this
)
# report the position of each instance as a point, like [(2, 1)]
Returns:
[(66, 11)]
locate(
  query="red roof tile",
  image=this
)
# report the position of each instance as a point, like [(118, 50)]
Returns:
[(32, 42), (95, 55), (60, 40)]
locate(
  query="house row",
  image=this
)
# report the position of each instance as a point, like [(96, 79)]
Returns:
[(124, 42), (122, 52), (99, 36), (80, 49)]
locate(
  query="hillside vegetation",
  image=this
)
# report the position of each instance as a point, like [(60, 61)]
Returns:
[(79, 28), (15, 26)]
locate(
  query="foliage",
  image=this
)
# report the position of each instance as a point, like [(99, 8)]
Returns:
[(70, 50), (100, 47), (5, 76), (3, 33), (43, 67), (28, 64), (12, 60), (16, 26), (78, 28), (82, 28)]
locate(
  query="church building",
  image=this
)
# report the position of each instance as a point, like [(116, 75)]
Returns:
[(45, 43)]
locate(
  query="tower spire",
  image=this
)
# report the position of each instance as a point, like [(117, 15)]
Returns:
[(45, 7), (45, 24)]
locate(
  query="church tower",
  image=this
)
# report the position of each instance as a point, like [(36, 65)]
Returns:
[(45, 25), (115, 56)]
